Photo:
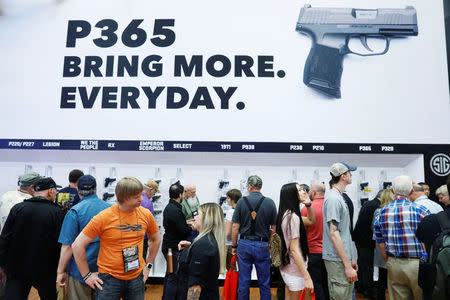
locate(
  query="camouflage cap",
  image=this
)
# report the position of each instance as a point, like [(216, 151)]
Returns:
[(29, 179)]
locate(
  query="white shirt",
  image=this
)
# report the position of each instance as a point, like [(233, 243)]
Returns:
[(432, 206), (8, 200), (228, 217)]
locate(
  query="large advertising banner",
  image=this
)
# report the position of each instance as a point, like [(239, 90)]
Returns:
[(231, 71)]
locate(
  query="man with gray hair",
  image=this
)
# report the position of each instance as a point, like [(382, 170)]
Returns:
[(76, 219), (442, 193), (11, 198), (395, 226), (419, 197), (252, 218)]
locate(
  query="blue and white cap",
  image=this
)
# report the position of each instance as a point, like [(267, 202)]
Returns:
[(340, 168)]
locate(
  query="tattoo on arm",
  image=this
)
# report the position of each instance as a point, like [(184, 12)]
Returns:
[(194, 292), (333, 225)]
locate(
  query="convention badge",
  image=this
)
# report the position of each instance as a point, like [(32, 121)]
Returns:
[(130, 258)]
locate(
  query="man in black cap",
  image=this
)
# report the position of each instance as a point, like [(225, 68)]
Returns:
[(29, 249)]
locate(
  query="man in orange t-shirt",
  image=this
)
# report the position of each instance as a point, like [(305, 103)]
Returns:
[(122, 270)]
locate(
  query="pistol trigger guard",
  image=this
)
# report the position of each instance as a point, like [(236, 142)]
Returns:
[(388, 40), (363, 40)]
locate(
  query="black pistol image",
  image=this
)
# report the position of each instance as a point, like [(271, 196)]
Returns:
[(107, 196), (108, 181), (331, 30)]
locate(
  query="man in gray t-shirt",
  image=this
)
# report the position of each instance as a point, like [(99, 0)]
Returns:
[(337, 242)]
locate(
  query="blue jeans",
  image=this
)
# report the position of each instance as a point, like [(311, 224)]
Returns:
[(253, 253), (114, 289)]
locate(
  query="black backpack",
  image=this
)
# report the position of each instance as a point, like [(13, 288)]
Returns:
[(440, 258)]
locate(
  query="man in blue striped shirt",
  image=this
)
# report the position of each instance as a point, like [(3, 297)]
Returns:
[(395, 228)]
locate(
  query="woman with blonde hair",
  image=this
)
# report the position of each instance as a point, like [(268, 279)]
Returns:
[(386, 197), (204, 259)]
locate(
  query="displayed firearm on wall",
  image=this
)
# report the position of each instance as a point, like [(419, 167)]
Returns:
[(331, 30)]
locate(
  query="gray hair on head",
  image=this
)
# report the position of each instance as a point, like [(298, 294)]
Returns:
[(418, 188), (85, 193), (255, 181), (402, 185)]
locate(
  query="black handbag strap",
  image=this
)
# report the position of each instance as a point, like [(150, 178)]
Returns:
[(253, 213)]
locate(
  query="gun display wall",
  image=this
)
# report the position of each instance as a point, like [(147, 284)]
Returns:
[(213, 173)]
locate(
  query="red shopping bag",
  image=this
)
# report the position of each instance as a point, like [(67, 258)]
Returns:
[(231, 281), (305, 296)]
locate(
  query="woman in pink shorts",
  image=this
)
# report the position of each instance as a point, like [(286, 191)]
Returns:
[(294, 245)]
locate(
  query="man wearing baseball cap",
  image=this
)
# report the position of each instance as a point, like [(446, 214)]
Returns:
[(29, 248), (150, 189), (74, 222), (338, 255), (11, 198)]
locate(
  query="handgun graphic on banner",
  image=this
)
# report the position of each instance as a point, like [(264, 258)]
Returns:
[(331, 30)]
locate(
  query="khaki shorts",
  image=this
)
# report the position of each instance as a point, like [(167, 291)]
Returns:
[(339, 286), (79, 291)]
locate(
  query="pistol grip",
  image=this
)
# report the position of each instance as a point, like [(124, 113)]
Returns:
[(323, 70)]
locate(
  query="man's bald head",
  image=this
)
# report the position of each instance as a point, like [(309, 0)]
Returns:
[(317, 190), (418, 191), (190, 190)]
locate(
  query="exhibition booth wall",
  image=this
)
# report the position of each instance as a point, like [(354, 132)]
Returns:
[(211, 92)]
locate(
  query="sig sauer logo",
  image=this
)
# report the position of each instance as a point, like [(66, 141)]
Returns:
[(127, 227), (440, 164)]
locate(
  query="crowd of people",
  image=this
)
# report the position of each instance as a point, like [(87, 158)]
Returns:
[(93, 250)]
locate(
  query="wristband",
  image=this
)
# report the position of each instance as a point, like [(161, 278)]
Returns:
[(87, 276), (308, 205), (234, 246)]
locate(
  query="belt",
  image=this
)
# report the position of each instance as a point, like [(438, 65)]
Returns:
[(400, 256), (256, 238)]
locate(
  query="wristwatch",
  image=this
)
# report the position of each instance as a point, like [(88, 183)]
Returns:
[(233, 246), (308, 205), (149, 266)]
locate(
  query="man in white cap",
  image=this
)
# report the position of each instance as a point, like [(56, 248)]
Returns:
[(337, 250), (11, 198)]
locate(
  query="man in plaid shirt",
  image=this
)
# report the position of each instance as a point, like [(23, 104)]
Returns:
[(395, 228)]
